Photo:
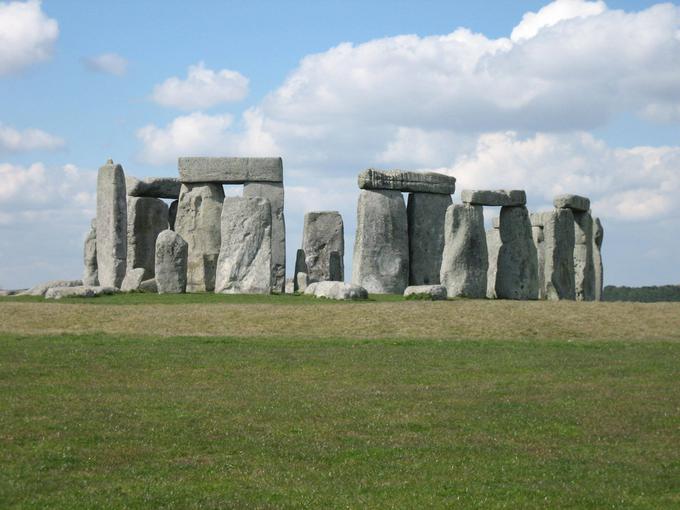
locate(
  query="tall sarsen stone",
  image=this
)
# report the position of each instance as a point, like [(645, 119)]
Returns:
[(517, 273), (426, 213), (111, 225), (322, 235), (171, 263), (147, 217)]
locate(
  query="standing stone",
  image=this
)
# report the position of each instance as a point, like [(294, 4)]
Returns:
[(538, 238), (301, 281), (90, 256), (380, 263), (198, 220), (147, 217), (558, 253), (323, 233), (134, 277), (244, 265), (172, 214), (583, 256), (465, 260), (111, 225), (517, 274), (426, 213), (598, 237), (336, 267), (300, 267), (493, 245), (273, 191), (171, 263)]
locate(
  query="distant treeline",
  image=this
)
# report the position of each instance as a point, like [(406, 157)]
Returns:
[(642, 294)]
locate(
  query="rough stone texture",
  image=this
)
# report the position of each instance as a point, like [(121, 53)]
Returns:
[(300, 267), (153, 187), (273, 191), (90, 256), (517, 273), (230, 170), (171, 263), (336, 267), (584, 271), (290, 286), (538, 238), (133, 279), (301, 281), (149, 286), (199, 213), (558, 248), (434, 292), (573, 202), (336, 290), (598, 237), (147, 217), (493, 245), (397, 180), (501, 197), (322, 234), (42, 288), (79, 291), (465, 260), (380, 263), (426, 213), (172, 214), (244, 265), (111, 225), (495, 222)]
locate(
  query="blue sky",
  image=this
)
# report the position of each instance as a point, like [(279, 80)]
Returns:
[(568, 96)]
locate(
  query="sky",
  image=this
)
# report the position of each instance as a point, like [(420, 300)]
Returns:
[(569, 96)]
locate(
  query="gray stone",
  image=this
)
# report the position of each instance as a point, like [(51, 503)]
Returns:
[(558, 248), (111, 225), (133, 279), (538, 238), (42, 288), (380, 263), (501, 197), (290, 286), (149, 286), (336, 290), (172, 254), (336, 267), (172, 214), (301, 281), (584, 270), (495, 222), (465, 260), (433, 292), (397, 180), (147, 217), (426, 213), (273, 191), (230, 170), (517, 273), (244, 265), (199, 213), (153, 187), (322, 234), (493, 245), (300, 267), (79, 291), (598, 237), (573, 202), (90, 256), (12, 292)]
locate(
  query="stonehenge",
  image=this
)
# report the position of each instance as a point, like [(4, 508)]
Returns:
[(558, 255), (425, 213), (111, 225), (336, 290), (431, 292), (171, 263), (90, 276), (146, 218), (517, 264), (598, 237), (323, 246)]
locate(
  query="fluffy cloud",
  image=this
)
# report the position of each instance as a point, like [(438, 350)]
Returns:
[(552, 14), (13, 140), (27, 35), (202, 88), (107, 63)]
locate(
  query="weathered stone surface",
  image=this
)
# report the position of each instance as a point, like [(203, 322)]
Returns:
[(322, 234), (397, 180), (244, 265), (573, 202), (426, 213), (336, 290), (433, 292), (172, 214), (495, 222), (301, 281), (598, 237), (558, 247), (133, 279), (493, 245), (172, 254), (538, 238), (42, 288), (147, 217), (273, 191), (230, 170), (111, 225), (199, 213), (336, 267), (380, 263), (79, 291), (12, 292), (153, 187), (584, 271), (300, 267), (517, 273), (501, 197), (90, 256), (465, 260), (290, 286), (149, 286)]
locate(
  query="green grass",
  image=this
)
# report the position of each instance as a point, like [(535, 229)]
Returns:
[(97, 421)]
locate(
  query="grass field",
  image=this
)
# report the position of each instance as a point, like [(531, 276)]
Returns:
[(202, 401)]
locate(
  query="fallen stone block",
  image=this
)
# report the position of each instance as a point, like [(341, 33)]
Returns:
[(397, 180), (171, 263), (431, 292), (336, 290), (147, 217), (230, 170), (111, 225), (153, 187), (323, 233), (42, 288), (90, 256), (496, 198), (133, 279), (517, 273), (573, 202), (85, 291), (426, 213), (149, 286)]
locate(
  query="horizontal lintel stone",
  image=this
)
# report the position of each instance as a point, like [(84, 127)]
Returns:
[(416, 182), (230, 170), (495, 198), (573, 202), (153, 187)]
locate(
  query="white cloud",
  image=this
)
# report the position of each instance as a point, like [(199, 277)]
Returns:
[(13, 140), (107, 63), (202, 88), (27, 35), (553, 13)]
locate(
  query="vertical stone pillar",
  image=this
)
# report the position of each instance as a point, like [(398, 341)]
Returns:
[(598, 237), (539, 238), (583, 256), (90, 256), (172, 214), (558, 242), (111, 225), (517, 274), (171, 263), (300, 267), (147, 217), (323, 234), (426, 213), (493, 245)]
